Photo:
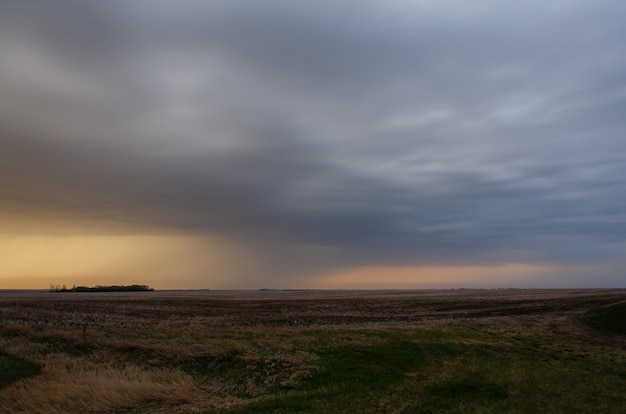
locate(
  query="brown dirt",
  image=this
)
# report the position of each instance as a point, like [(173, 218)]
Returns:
[(556, 310)]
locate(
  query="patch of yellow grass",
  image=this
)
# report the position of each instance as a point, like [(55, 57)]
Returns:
[(106, 381), (72, 385)]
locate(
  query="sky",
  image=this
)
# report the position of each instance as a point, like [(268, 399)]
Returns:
[(320, 144)]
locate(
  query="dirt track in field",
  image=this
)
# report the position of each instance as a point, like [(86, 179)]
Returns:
[(556, 310)]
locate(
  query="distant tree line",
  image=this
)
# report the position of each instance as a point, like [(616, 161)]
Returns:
[(98, 288)]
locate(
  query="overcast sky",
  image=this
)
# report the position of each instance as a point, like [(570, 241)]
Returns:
[(311, 144)]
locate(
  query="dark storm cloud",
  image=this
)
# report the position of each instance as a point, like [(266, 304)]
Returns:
[(405, 132)]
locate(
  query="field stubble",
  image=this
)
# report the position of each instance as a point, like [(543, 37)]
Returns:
[(284, 351)]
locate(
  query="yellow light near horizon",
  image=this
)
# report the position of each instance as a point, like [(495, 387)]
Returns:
[(35, 262), (185, 262)]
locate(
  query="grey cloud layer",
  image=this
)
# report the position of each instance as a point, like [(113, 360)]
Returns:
[(411, 132)]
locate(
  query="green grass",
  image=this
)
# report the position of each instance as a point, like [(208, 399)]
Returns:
[(611, 318), (454, 371), (462, 369), (13, 368), (65, 345), (353, 377)]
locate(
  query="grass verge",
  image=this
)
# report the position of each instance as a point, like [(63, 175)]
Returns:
[(611, 318), (13, 368), (445, 369)]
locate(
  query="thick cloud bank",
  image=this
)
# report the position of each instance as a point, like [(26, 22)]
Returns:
[(373, 133)]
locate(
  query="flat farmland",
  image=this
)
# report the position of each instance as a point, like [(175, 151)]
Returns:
[(505, 350)]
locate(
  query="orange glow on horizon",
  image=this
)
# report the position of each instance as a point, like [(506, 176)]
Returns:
[(179, 262), (438, 277), (35, 262)]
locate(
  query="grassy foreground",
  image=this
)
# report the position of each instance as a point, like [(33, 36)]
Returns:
[(188, 369), (611, 318), (13, 369)]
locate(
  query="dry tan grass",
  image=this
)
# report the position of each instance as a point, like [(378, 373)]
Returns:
[(138, 373), (22, 347), (72, 385)]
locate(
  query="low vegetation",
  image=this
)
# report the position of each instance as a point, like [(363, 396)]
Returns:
[(187, 364), (13, 368), (114, 288), (611, 318)]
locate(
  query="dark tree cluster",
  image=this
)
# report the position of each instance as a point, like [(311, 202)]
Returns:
[(98, 288)]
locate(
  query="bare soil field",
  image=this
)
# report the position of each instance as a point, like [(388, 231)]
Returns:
[(553, 308)]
